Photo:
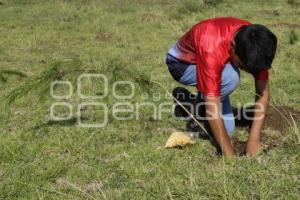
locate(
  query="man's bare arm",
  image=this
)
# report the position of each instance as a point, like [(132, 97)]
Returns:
[(213, 111), (261, 106)]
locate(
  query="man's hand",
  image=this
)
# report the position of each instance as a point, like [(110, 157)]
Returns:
[(213, 112), (261, 105), (253, 147)]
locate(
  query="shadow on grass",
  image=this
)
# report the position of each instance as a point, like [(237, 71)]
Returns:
[(69, 122)]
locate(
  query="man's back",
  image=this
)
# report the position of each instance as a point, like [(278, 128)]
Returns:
[(211, 35)]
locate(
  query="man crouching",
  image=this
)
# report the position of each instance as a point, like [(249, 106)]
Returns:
[(209, 57)]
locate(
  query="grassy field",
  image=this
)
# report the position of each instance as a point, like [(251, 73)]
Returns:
[(43, 41)]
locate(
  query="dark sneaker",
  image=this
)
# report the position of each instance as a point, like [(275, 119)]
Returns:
[(186, 98), (193, 103), (196, 131), (199, 106), (193, 127)]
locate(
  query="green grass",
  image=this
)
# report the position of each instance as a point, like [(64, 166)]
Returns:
[(127, 40)]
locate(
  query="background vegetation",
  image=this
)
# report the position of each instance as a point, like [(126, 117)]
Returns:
[(42, 41)]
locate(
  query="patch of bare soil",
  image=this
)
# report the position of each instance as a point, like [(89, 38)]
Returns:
[(270, 13), (281, 117), (148, 17), (239, 146), (106, 37), (278, 119), (285, 25)]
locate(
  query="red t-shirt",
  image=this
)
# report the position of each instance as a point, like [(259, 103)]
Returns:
[(207, 44)]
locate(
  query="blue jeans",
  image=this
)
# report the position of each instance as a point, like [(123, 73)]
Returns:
[(230, 81)]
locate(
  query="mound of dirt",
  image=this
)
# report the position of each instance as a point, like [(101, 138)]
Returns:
[(278, 118), (281, 117)]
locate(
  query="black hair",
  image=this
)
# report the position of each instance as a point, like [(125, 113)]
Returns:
[(256, 47)]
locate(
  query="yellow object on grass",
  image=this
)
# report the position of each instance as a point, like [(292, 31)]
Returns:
[(179, 139)]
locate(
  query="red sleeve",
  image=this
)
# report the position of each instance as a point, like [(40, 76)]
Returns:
[(262, 75), (209, 74)]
